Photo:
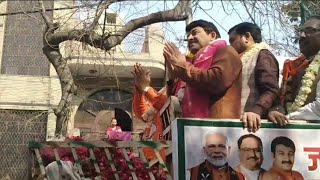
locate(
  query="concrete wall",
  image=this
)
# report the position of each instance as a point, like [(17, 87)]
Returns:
[(30, 93), (43, 92)]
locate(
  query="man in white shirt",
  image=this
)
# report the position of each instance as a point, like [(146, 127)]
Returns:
[(300, 94), (251, 157)]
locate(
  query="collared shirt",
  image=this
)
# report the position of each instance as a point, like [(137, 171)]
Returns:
[(251, 175)]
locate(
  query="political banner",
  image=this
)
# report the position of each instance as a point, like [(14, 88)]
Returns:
[(205, 150)]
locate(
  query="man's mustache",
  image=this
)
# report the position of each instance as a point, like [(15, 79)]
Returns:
[(287, 162), (192, 41), (217, 156), (255, 158)]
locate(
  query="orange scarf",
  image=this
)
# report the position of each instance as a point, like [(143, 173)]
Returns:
[(290, 70)]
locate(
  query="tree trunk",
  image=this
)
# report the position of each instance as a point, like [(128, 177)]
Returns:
[(52, 40), (68, 87)]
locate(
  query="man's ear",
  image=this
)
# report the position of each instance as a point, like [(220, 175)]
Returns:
[(247, 35), (213, 35), (204, 150), (229, 150)]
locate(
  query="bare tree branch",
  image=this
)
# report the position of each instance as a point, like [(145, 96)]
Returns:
[(48, 9), (247, 10), (175, 14), (53, 39), (44, 15), (103, 5)]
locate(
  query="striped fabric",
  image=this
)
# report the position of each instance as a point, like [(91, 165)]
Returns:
[(168, 113)]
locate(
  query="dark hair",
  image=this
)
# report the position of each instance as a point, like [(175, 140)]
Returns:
[(284, 141), (208, 27), (245, 27), (249, 136)]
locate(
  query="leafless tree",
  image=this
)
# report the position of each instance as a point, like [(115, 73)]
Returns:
[(278, 19), (270, 14), (53, 38)]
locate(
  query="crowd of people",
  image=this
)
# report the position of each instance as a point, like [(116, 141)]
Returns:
[(237, 81)]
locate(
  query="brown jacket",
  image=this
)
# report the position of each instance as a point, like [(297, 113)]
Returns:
[(222, 82), (206, 171)]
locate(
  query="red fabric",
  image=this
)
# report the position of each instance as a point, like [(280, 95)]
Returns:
[(122, 136), (117, 129), (290, 70), (196, 104), (110, 132), (222, 82)]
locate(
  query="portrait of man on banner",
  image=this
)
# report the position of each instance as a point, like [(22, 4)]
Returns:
[(216, 151), (226, 150), (283, 150), (251, 157)]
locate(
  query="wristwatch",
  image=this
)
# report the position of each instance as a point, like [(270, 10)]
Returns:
[(146, 89)]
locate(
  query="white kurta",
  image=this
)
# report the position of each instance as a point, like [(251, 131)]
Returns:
[(310, 111)]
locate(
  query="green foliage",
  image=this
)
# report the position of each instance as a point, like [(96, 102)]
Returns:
[(298, 10)]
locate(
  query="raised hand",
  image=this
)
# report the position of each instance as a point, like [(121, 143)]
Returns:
[(172, 54), (141, 76)]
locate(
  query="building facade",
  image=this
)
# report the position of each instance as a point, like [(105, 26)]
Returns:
[(30, 87)]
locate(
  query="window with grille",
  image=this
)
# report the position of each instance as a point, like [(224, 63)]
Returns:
[(111, 18)]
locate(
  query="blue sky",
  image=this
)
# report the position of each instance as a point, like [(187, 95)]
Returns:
[(224, 14)]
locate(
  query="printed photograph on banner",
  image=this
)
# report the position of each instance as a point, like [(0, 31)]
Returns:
[(233, 153)]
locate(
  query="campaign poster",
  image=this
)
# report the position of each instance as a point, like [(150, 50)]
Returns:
[(294, 148)]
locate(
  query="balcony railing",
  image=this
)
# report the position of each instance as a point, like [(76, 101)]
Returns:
[(142, 45)]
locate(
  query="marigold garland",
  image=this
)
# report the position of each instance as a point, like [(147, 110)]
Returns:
[(189, 55), (253, 51)]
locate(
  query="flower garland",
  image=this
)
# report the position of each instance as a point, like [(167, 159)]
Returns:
[(307, 81), (189, 55), (254, 49)]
